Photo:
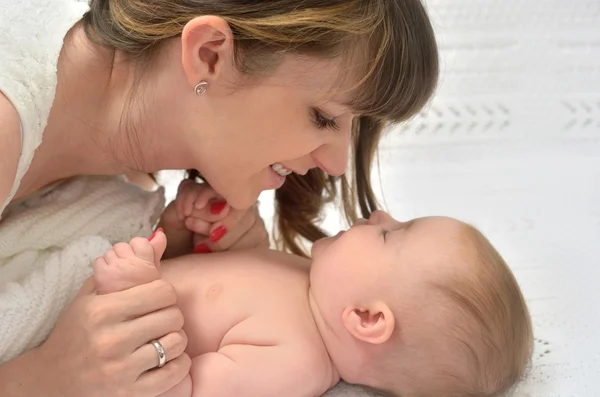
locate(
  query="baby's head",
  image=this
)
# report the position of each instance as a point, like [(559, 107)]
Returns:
[(421, 308)]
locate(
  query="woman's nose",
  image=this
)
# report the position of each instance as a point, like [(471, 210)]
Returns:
[(334, 163), (333, 157)]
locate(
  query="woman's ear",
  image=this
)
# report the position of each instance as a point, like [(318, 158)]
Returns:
[(373, 324), (206, 48)]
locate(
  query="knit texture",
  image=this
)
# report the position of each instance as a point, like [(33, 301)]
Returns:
[(48, 243)]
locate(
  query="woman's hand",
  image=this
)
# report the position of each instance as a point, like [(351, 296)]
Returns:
[(100, 345), (200, 220)]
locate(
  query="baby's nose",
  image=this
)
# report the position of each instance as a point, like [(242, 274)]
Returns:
[(361, 221), (379, 217), (382, 218)]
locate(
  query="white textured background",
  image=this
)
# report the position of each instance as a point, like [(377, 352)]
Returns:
[(512, 144)]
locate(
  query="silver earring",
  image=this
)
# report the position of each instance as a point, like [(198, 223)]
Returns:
[(201, 88)]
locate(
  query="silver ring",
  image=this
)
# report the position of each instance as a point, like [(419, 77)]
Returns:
[(160, 350)]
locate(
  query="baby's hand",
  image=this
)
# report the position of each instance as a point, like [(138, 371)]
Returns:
[(201, 221), (127, 265), (199, 206), (190, 216), (217, 226)]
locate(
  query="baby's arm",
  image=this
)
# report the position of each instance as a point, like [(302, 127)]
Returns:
[(254, 371), (239, 371)]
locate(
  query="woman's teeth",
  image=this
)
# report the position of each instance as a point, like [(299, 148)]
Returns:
[(280, 169)]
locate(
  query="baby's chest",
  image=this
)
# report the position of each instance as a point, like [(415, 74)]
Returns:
[(222, 313)]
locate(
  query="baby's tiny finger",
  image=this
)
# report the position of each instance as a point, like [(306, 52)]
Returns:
[(99, 264), (204, 196), (188, 203), (215, 211), (183, 191), (179, 209), (197, 225), (110, 256)]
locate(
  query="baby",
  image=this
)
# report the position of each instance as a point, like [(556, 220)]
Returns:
[(419, 308)]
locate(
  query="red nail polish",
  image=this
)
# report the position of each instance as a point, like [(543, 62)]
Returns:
[(202, 248), (218, 234), (217, 207), (154, 234)]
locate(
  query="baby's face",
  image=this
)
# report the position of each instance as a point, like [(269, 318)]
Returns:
[(371, 252), (383, 259)]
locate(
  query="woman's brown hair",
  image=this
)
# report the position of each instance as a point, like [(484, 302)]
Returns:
[(390, 44)]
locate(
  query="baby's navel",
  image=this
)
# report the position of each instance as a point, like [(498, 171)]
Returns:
[(213, 292)]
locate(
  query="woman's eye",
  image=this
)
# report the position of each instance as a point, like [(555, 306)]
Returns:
[(323, 122)]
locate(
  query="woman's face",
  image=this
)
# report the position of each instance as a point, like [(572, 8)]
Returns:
[(247, 138), (246, 133)]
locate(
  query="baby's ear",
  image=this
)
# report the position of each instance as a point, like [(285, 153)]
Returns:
[(371, 324)]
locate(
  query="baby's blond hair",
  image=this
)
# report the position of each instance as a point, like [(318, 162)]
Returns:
[(493, 329), (485, 329)]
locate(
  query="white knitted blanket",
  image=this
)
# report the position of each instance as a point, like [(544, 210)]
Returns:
[(47, 244)]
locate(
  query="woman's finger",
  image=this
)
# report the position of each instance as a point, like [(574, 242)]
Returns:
[(151, 326), (146, 356), (136, 301), (88, 287), (161, 380)]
